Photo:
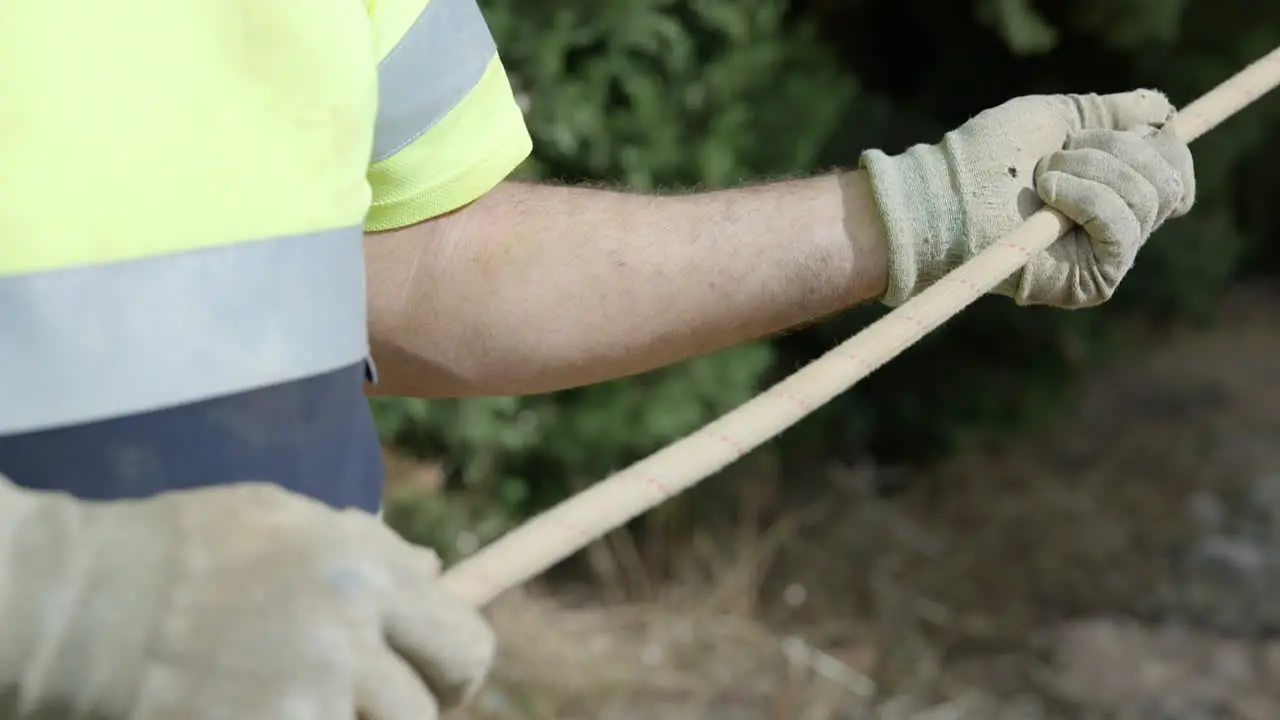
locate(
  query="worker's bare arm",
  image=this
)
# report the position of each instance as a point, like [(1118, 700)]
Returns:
[(535, 288)]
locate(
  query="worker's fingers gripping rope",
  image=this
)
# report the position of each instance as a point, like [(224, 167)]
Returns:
[(568, 527)]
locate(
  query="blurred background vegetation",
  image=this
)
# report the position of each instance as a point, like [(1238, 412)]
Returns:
[(668, 95)]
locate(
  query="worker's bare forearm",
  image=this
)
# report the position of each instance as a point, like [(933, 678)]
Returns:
[(536, 288)]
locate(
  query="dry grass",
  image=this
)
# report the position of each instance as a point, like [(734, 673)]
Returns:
[(701, 651), (738, 631)]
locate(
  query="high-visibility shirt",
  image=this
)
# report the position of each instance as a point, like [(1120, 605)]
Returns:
[(184, 190)]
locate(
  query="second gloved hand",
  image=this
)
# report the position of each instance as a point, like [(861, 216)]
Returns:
[(243, 602), (1097, 159)]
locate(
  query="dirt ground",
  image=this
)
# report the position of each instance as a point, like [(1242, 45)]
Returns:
[(1125, 564)]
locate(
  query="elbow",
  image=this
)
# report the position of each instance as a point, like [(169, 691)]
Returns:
[(467, 359)]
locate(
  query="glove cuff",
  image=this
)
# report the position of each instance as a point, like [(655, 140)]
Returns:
[(923, 218)]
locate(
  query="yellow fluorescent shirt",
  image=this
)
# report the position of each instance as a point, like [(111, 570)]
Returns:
[(145, 127), (184, 186)]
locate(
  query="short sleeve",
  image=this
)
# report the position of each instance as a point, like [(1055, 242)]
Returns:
[(448, 127)]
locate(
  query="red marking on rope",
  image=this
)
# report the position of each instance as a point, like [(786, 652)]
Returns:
[(913, 320), (657, 484), (795, 400), (1020, 248), (573, 528), (733, 444)]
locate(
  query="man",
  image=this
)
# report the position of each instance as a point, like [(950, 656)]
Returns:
[(192, 197)]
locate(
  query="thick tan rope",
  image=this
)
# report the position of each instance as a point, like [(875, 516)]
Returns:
[(566, 528)]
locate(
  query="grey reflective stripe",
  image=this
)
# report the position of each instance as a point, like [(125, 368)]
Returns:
[(96, 342), (433, 67)]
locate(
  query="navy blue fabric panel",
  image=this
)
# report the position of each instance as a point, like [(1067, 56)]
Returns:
[(313, 436)]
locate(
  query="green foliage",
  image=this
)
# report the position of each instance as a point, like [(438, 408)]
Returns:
[(1020, 25), (664, 95), (659, 94), (1128, 24)]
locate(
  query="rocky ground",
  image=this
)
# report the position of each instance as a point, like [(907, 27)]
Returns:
[(1123, 565)]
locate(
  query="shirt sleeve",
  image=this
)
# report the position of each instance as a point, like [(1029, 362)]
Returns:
[(448, 127)]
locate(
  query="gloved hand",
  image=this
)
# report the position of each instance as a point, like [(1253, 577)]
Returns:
[(1097, 159), (238, 603)]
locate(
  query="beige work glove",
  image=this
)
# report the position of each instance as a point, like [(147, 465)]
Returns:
[(1097, 159), (237, 603)]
